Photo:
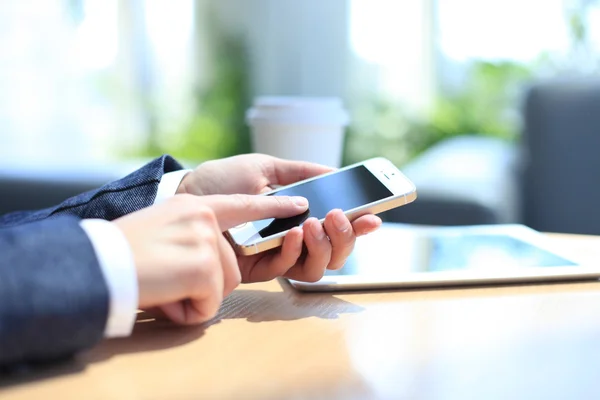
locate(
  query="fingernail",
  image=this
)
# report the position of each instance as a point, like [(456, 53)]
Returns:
[(340, 221), (300, 201), (317, 231)]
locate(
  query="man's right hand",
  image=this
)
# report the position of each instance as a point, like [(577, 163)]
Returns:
[(184, 265)]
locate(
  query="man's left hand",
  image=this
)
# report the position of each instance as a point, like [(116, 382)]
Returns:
[(307, 251)]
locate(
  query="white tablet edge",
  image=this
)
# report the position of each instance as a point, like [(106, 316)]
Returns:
[(463, 277)]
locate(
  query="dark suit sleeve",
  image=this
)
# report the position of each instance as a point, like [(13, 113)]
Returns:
[(111, 201), (53, 298)]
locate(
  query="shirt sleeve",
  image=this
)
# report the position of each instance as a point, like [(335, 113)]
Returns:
[(118, 268), (168, 185), (118, 265)]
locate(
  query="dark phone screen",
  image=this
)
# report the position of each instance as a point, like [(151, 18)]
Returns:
[(346, 190)]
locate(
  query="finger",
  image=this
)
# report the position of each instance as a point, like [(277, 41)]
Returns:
[(203, 307), (180, 312), (286, 172), (207, 294), (278, 263), (231, 271), (366, 224), (318, 257), (235, 209), (266, 189), (342, 238), (174, 311)]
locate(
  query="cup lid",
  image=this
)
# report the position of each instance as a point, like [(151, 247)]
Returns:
[(297, 111)]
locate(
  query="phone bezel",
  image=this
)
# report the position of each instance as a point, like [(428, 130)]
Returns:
[(402, 189)]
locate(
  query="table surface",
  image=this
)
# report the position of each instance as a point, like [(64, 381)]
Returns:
[(272, 342)]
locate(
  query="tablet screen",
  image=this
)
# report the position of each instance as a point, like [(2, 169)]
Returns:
[(393, 251)]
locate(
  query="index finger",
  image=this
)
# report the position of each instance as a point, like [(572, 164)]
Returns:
[(235, 209), (286, 172)]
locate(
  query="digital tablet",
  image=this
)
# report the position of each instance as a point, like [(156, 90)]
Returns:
[(403, 256)]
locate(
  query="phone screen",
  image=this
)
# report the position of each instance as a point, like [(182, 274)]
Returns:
[(345, 190)]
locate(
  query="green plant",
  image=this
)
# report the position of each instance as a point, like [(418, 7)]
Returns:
[(486, 104), (217, 128)]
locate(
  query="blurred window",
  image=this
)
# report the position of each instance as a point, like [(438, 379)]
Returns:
[(82, 79), (94, 80), (513, 30)]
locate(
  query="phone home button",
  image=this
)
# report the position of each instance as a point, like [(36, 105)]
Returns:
[(240, 226)]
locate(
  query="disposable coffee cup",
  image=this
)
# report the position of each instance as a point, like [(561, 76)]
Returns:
[(299, 128)]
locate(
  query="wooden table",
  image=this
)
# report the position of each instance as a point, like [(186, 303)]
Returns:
[(271, 342)]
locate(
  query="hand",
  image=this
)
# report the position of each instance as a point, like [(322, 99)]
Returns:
[(248, 174), (184, 265), (306, 252)]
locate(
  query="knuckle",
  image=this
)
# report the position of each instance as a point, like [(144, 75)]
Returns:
[(202, 274), (281, 203), (186, 205), (303, 172), (191, 208), (205, 213), (208, 263), (242, 200), (343, 240), (192, 277), (202, 235)]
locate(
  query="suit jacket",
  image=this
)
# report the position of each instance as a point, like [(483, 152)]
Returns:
[(53, 297)]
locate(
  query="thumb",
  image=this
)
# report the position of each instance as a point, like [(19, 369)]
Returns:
[(235, 209)]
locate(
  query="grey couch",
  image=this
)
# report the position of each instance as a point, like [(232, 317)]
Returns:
[(549, 180)]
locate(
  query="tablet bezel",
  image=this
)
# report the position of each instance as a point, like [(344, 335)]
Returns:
[(461, 277)]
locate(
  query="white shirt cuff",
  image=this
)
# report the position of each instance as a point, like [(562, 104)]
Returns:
[(118, 267), (168, 185)]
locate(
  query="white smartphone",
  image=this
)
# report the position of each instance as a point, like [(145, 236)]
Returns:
[(369, 187)]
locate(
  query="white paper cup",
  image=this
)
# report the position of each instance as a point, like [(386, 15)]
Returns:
[(299, 128)]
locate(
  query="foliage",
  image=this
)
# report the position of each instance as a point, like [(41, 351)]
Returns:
[(217, 128), (486, 104)]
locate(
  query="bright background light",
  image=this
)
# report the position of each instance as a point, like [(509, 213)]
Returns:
[(508, 29)]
